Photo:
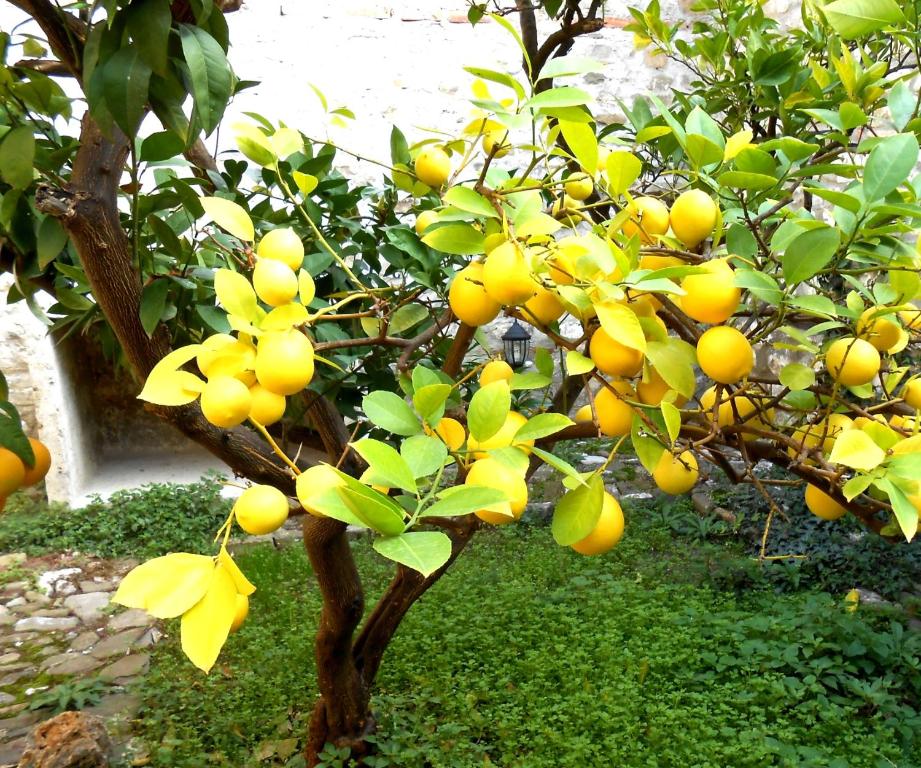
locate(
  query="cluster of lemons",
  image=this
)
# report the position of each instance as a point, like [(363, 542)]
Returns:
[(15, 474)]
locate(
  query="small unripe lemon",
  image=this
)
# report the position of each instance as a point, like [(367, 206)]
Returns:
[(607, 531), (852, 362), (468, 298), (424, 220), (225, 401), (506, 275), (693, 217), (648, 218), (267, 407), (240, 612), (579, 186), (492, 473), (911, 392), (261, 509), (711, 296), (275, 282), (433, 166), (12, 472), (284, 361), (36, 473), (724, 354), (544, 307), (821, 504), (314, 481), (498, 141), (615, 415), (584, 415), (284, 245), (612, 357), (676, 474), (496, 370)]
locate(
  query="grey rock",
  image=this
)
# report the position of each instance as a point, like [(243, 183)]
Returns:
[(9, 658), (75, 664), (65, 588), (49, 579), (150, 637), (15, 677), (45, 624), (16, 602), (48, 651), (14, 558), (14, 587), (129, 666), (11, 751), (89, 606), (117, 645), (52, 612), (14, 666), (872, 599), (97, 586), (6, 698), (116, 705), (84, 640), (12, 709), (134, 617), (37, 597)]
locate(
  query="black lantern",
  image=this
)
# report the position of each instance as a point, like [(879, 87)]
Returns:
[(517, 343)]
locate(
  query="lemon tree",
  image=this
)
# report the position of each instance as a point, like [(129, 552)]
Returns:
[(731, 280)]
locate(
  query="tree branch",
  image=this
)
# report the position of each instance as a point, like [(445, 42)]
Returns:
[(64, 32)]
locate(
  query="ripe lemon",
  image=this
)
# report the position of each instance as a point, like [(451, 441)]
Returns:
[(693, 217), (562, 268), (496, 143), (36, 473), (652, 392), (652, 261), (506, 275), (12, 472), (314, 481), (433, 166), (240, 612), (724, 354), (729, 407), (284, 245), (821, 504), (468, 298), (852, 362), (584, 415), (502, 439), (676, 474), (284, 361), (275, 282), (566, 210), (495, 370), (544, 307), (711, 297), (911, 319), (615, 416), (492, 473), (648, 218), (225, 401), (452, 433), (579, 186), (911, 392), (607, 531), (612, 357), (902, 422), (267, 407), (822, 434), (425, 219), (878, 329), (261, 509)]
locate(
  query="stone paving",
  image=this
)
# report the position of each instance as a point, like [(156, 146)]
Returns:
[(58, 627)]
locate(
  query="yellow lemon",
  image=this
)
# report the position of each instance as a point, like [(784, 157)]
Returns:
[(225, 401), (648, 218), (652, 392), (693, 217), (676, 474), (314, 481), (579, 186), (711, 296), (821, 504), (544, 307), (495, 370), (284, 245), (607, 531), (261, 509), (562, 268), (492, 473), (852, 362), (911, 392), (267, 407), (652, 261), (433, 166), (736, 410), (503, 438), (425, 219), (452, 433), (612, 357), (12, 472), (496, 143), (284, 361), (615, 416), (584, 415), (724, 354), (36, 473), (222, 354), (566, 210), (506, 275), (878, 329), (275, 282), (468, 298)]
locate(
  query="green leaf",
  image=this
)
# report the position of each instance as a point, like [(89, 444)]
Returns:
[(530, 380), (50, 241), (901, 103), (700, 123), (621, 323), (374, 509), (387, 466), (674, 361), (857, 18), (809, 252), (467, 199), (557, 463), (856, 449), (889, 164), (905, 512), (796, 376), (564, 96), (391, 412), (399, 149), (153, 302), (210, 75), (423, 454), (488, 410), (576, 513), (623, 169), (17, 155), (856, 485), (759, 284), (841, 199), (702, 152), (672, 417), (462, 500), (564, 66), (126, 79), (406, 317), (582, 142), (430, 401), (12, 436), (162, 145), (648, 450), (542, 425), (577, 363), (423, 551), (332, 504), (149, 24), (744, 180), (460, 239)]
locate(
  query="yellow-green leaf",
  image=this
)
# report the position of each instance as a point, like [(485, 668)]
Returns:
[(577, 363), (243, 585), (621, 323), (307, 289), (206, 625), (736, 143), (285, 316), (166, 586), (623, 169), (855, 449), (286, 141), (253, 143), (166, 385), (306, 183), (235, 294), (230, 216)]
